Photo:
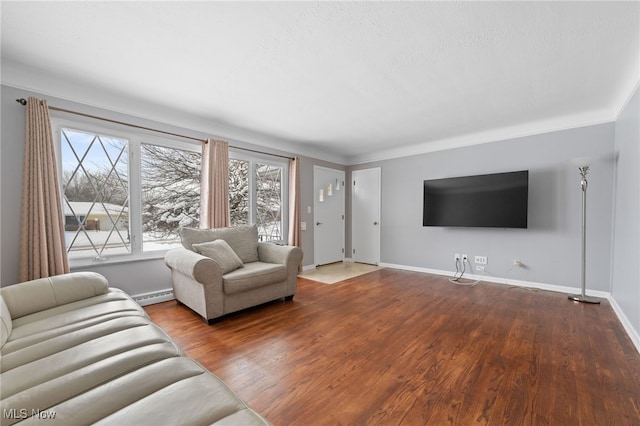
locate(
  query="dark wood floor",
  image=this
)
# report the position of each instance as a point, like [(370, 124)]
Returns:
[(396, 347)]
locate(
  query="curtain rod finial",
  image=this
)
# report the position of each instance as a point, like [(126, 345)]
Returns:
[(22, 101)]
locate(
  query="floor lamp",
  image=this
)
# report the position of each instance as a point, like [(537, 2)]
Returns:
[(582, 297)]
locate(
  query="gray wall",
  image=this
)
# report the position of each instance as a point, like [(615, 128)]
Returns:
[(135, 277), (11, 155), (626, 233), (306, 200), (549, 248)]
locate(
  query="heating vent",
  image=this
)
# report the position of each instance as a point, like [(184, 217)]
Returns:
[(154, 297)]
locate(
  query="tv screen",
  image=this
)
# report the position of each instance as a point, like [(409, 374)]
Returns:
[(498, 200)]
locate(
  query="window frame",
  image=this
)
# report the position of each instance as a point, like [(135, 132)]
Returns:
[(254, 158), (135, 138)]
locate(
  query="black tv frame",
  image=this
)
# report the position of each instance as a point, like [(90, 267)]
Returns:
[(496, 200)]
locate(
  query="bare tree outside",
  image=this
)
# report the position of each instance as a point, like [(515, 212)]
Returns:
[(239, 192), (170, 191), (95, 194), (95, 176), (269, 201)]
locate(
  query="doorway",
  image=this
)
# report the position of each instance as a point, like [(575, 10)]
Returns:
[(365, 216), (328, 224)]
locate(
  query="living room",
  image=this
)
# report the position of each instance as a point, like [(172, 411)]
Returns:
[(603, 126)]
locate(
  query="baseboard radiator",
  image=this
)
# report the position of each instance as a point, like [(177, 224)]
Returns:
[(154, 297)]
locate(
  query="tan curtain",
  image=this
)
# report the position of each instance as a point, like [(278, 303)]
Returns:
[(214, 186), (42, 246), (294, 202)]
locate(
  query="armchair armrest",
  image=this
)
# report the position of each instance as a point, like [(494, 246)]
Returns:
[(193, 265), (45, 293), (285, 255)]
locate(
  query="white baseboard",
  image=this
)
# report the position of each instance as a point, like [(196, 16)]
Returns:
[(633, 334), (628, 327), (150, 298), (498, 280)]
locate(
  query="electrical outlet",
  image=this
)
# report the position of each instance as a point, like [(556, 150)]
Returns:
[(465, 257), (481, 260), (456, 257), (480, 268)]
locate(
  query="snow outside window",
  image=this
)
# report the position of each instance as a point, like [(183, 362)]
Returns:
[(170, 180), (127, 193), (257, 194)]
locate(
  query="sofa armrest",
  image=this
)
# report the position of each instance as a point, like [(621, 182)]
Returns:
[(46, 293), (274, 253), (193, 265)]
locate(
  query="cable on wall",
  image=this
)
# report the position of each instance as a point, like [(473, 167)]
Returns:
[(456, 279)]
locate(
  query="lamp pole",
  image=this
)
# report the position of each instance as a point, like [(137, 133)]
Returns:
[(583, 297)]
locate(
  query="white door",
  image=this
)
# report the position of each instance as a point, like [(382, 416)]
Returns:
[(328, 218), (365, 217)]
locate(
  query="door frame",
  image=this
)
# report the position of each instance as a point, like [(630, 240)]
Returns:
[(378, 178), (316, 202)]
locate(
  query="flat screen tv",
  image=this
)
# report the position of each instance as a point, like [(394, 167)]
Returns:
[(498, 200)]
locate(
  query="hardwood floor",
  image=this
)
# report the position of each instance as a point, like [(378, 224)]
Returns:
[(397, 347)]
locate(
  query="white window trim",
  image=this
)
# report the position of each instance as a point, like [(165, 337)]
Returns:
[(253, 158), (135, 139)]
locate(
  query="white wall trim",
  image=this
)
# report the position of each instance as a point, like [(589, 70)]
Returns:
[(626, 100), (626, 324), (152, 297), (308, 268), (557, 124)]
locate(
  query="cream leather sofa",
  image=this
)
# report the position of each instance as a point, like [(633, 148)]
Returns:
[(75, 352), (224, 270)]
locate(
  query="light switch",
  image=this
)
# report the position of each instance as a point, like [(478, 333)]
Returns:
[(303, 226)]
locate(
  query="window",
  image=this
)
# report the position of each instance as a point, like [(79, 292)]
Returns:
[(95, 194), (125, 194), (269, 201), (256, 193)]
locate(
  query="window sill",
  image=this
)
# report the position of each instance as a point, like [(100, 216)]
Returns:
[(115, 260)]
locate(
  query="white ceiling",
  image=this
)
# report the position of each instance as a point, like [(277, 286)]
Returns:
[(344, 81)]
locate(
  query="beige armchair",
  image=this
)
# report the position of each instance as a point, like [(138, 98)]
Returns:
[(224, 270)]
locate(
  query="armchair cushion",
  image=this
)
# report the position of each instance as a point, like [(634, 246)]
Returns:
[(254, 275), (242, 239), (221, 253)]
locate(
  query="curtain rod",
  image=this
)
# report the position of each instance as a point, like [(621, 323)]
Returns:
[(23, 101)]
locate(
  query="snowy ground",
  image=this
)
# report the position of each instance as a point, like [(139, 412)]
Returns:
[(117, 244), (82, 247)]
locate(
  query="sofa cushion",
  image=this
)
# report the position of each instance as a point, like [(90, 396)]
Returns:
[(169, 391), (253, 275), (221, 253), (43, 325), (242, 239), (5, 322), (44, 293)]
